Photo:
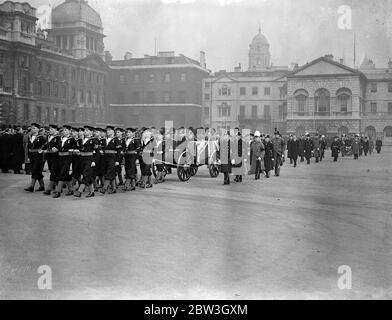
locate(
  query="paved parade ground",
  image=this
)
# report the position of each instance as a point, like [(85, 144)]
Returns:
[(284, 237)]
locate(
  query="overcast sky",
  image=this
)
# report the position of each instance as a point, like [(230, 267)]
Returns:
[(297, 30)]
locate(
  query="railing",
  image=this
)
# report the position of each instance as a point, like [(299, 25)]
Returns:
[(255, 118), (377, 115), (332, 114)]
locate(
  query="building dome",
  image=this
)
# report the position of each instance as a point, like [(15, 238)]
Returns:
[(259, 39), (72, 11)]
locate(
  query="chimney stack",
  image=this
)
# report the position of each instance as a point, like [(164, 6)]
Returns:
[(390, 63), (329, 56), (203, 59), (237, 69), (128, 55)]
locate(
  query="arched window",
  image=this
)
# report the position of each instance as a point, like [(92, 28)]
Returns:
[(388, 132), (301, 97), (322, 101), (370, 132), (343, 97)]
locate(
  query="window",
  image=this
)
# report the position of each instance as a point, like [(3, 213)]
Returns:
[(64, 116), (56, 90), (207, 85), (389, 107), (224, 110), (301, 102), (73, 93), (267, 112), (73, 115), (26, 112), (90, 98), (206, 111), (242, 111), (39, 66), (48, 68), (206, 96), (373, 107), (136, 77), (183, 77), (282, 92), (38, 114), (242, 91), (82, 75), (1, 58), (64, 72), (90, 76), (151, 77), (56, 115), (389, 86), (56, 70), (48, 89), (254, 91), (373, 87), (73, 74), (39, 88), (322, 101), (47, 115), (388, 132), (166, 97), (225, 91), (1, 81), (167, 77), (254, 111), (81, 96), (267, 91), (344, 100)]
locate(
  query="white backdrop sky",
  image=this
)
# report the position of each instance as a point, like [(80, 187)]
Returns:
[(298, 30)]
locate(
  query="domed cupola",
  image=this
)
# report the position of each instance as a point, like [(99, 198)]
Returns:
[(77, 29), (259, 55)]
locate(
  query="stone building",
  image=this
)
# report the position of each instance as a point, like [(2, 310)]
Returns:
[(327, 97), (252, 99), (46, 76), (151, 90)]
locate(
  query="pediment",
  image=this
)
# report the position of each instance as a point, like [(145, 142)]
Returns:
[(324, 67)]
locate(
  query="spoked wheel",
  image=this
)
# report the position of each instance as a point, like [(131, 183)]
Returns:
[(155, 170), (184, 166), (213, 167), (194, 169)]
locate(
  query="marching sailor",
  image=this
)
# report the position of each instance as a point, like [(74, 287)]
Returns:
[(87, 148), (66, 148), (111, 159), (52, 156), (131, 147), (35, 145)]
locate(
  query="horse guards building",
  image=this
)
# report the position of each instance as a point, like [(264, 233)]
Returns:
[(63, 74)]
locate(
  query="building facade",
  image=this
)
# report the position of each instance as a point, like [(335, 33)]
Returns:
[(252, 99), (327, 97), (151, 90), (43, 81)]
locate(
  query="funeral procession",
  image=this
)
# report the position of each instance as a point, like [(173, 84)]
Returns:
[(151, 176)]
